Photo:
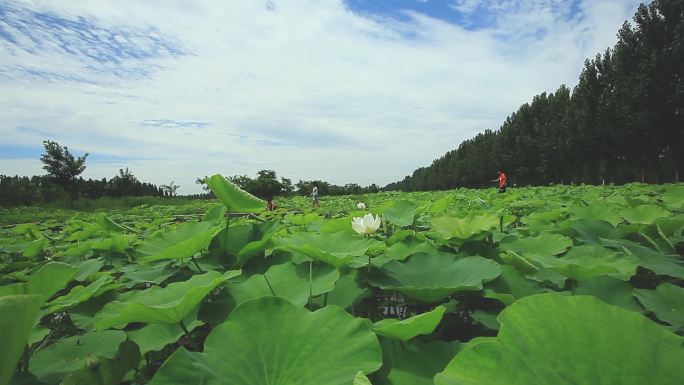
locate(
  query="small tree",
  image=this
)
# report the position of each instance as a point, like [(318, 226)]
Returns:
[(169, 189), (63, 167)]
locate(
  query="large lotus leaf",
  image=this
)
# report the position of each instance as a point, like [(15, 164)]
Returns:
[(336, 249), (464, 228), (433, 277), (589, 261), (69, 354), (653, 260), (666, 302), (233, 197), (154, 337), (510, 286), (48, 280), (591, 231), (272, 341), (80, 294), (659, 241), (610, 290), (182, 242), (644, 214), (401, 213), (674, 197), (288, 281), (161, 305), (544, 243), (600, 212), (18, 314), (411, 327), (568, 340)]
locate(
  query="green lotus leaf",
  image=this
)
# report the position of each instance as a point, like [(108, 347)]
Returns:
[(609, 290), (406, 329), (510, 286), (666, 302), (433, 277), (233, 197), (441, 204), (288, 281), (544, 243), (34, 248), (644, 214), (589, 261), (142, 274), (161, 305), (653, 260), (154, 337), (404, 249), (182, 242), (418, 362), (361, 379), (599, 212), (245, 241), (336, 249), (522, 264), (401, 213), (109, 226), (348, 291), (80, 294), (70, 354), (273, 341), (591, 231), (47, 281), (106, 371), (117, 243), (18, 314), (485, 319), (464, 228), (655, 237), (85, 269), (601, 345), (674, 197), (215, 213)]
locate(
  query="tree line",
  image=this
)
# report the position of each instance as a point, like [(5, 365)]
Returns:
[(63, 182), (623, 122), (267, 184)]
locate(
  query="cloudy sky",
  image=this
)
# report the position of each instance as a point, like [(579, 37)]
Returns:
[(361, 91)]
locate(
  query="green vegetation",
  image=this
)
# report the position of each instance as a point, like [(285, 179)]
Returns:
[(622, 122), (544, 285)]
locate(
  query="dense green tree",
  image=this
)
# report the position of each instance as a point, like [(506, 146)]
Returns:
[(62, 166)]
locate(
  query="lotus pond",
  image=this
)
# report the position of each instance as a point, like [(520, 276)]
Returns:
[(540, 285)]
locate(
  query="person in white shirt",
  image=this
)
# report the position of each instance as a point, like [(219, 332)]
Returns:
[(314, 197)]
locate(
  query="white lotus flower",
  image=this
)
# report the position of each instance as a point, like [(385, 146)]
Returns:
[(366, 225), (360, 205)]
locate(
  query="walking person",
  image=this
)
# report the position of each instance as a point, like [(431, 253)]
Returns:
[(502, 182), (314, 196)]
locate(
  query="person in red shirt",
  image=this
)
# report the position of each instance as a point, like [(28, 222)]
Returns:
[(502, 182)]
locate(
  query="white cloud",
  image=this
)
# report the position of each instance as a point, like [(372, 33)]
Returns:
[(307, 88)]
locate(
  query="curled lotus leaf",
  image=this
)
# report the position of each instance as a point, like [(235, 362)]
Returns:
[(411, 327), (233, 197), (544, 243), (566, 340), (337, 249), (18, 314), (273, 341)]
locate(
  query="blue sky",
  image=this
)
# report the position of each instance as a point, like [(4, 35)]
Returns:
[(346, 91)]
